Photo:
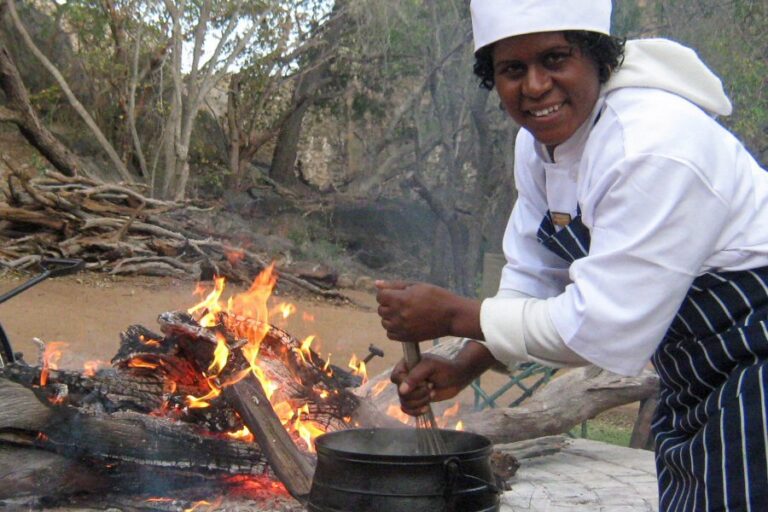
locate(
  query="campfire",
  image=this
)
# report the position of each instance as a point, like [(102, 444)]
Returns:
[(220, 401)]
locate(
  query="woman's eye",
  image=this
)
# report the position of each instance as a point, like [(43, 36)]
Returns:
[(511, 70), (555, 58)]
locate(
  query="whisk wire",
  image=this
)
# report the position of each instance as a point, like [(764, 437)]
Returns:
[(430, 441)]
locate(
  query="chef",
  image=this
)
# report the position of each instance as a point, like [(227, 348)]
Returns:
[(640, 233)]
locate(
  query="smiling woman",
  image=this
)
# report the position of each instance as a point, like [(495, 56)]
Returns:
[(639, 233)]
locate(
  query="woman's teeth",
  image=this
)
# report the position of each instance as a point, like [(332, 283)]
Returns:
[(546, 111)]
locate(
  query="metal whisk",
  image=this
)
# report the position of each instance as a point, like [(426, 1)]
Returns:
[(429, 439)]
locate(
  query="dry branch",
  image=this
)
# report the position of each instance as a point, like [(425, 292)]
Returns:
[(118, 230)]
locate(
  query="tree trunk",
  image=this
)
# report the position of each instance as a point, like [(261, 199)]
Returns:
[(26, 119), (283, 169)]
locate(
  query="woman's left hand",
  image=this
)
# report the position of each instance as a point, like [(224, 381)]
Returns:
[(419, 311)]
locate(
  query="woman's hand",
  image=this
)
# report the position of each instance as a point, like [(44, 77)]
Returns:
[(436, 378), (420, 311)]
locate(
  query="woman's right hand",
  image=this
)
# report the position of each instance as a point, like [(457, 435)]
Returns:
[(436, 378), (432, 380)]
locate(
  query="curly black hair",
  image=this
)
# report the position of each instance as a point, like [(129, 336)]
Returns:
[(607, 51)]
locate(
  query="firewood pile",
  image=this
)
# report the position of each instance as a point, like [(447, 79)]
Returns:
[(119, 230)]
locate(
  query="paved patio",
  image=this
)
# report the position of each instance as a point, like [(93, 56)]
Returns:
[(586, 476)]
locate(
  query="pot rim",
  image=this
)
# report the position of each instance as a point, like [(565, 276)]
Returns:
[(483, 450)]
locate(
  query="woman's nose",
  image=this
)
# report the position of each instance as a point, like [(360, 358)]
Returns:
[(536, 83)]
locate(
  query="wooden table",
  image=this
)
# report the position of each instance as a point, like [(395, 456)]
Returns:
[(586, 476)]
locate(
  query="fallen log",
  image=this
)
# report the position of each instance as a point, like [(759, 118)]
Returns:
[(567, 401)]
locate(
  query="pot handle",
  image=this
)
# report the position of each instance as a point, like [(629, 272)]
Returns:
[(453, 473)]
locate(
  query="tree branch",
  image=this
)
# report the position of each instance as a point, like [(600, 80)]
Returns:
[(69, 94)]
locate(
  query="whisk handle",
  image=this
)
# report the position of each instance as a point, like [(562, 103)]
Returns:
[(411, 354)]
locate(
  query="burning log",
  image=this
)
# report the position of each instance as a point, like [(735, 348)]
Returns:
[(191, 386)]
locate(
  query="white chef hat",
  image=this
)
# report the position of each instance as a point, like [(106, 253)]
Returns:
[(494, 20)]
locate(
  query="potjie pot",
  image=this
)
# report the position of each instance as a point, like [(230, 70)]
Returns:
[(380, 470)]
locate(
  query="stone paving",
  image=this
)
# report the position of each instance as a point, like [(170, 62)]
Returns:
[(586, 476)]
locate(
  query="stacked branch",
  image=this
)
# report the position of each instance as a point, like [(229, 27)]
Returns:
[(118, 230)]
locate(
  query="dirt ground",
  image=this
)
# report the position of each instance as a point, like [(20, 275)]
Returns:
[(88, 311)]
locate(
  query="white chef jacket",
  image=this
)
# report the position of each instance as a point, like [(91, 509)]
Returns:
[(666, 193)]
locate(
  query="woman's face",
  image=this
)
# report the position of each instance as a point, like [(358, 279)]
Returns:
[(546, 84)]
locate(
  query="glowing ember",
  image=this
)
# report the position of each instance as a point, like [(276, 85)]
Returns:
[(51, 357), (149, 341), (459, 426), (255, 486), (138, 362)]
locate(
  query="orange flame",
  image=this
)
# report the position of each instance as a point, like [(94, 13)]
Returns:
[(284, 310), (252, 307), (307, 430), (90, 367), (394, 411), (204, 503), (304, 351), (220, 355), (243, 435), (379, 387), (51, 357), (210, 305), (358, 368)]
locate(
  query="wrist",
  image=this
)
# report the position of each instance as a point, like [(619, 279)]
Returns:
[(464, 318), (473, 360)]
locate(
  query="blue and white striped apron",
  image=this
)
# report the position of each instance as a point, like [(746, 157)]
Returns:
[(711, 425)]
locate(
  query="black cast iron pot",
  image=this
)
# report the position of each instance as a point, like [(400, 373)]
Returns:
[(380, 470)]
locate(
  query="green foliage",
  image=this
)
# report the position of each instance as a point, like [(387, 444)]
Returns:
[(607, 432)]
